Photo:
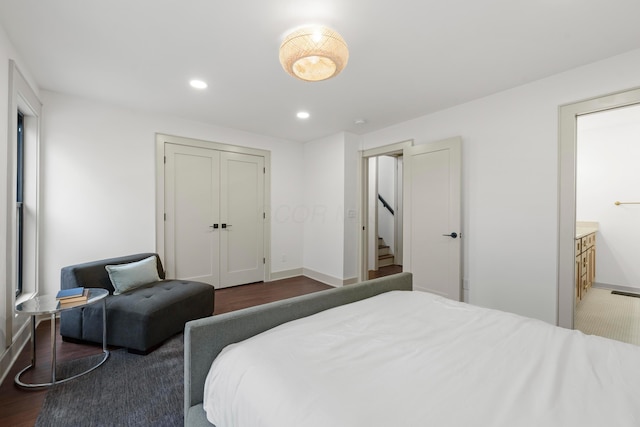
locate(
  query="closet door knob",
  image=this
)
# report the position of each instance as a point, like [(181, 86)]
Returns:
[(452, 235)]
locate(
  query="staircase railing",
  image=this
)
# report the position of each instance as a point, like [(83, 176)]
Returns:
[(385, 204)]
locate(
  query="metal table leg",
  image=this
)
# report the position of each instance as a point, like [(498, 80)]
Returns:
[(53, 353), (53, 348)]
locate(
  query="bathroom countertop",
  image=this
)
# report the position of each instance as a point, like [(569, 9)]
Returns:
[(583, 230)]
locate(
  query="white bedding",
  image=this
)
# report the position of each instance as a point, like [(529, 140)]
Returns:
[(416, 359)]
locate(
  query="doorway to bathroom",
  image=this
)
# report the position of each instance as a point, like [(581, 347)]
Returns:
[(607, 216), (569, 115)]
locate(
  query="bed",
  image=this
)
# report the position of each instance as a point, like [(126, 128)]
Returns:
[(379, 354)]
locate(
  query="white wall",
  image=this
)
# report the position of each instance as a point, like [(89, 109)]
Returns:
[(331, 186), (510, 180), (324, 187), (351, 208), (607, 171), (98, 169)]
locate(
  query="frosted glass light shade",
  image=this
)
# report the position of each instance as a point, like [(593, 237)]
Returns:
[(314, 53)]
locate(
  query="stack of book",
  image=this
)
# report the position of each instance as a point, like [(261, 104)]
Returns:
[(73, 295)]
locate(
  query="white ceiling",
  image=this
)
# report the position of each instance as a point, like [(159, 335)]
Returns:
[(407, 57)]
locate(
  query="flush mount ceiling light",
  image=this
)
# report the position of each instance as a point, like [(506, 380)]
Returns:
[(314, 53)]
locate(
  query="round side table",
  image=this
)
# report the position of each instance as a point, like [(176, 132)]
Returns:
[(48, 304)]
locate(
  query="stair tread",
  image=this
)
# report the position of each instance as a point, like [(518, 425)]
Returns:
[(385, 256)]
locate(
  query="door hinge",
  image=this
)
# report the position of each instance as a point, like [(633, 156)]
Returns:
[(165, 160), (264, 260), (264, 170), (264, 215), (165, 217)]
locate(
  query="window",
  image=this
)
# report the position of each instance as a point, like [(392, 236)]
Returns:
[(20, 204), (23, 171)]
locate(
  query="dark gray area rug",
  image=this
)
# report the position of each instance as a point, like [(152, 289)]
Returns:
[(128, 390)]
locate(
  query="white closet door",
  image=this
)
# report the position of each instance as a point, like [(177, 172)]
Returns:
[(242, 219), (214, 225), (192, 194)]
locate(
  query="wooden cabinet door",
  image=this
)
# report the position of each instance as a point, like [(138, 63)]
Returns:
[(578, 276)]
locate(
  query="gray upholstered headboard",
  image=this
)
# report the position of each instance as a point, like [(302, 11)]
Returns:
[(205, 338)]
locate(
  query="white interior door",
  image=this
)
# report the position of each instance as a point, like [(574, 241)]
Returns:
[(192, 194), (214, 224), (432, 217), (242, 219)]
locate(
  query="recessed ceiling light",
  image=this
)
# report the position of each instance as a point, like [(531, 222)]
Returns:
[(198, 84), (360, 121), (302, 115)]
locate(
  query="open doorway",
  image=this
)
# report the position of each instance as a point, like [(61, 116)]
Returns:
[(381, 258), (568, 116), (385, 215), (607, 214)]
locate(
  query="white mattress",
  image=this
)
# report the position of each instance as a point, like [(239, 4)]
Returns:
[(416, 359)]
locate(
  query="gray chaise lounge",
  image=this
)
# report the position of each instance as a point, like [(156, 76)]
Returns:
[(139, 319)]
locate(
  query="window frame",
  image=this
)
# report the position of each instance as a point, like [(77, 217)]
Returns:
[(22, 98)]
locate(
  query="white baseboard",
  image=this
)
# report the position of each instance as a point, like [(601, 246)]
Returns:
[(286, 274), (327, 279), (320, 277), (351, 281), (616, 287), (9, 357)]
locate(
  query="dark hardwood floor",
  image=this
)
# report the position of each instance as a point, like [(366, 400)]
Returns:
[(385, 271), (20, 408), (238, 297)]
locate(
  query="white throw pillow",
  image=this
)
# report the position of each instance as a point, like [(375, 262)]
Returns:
[(126, 277)]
